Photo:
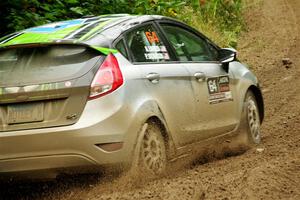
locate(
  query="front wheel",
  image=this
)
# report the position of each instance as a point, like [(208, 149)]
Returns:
[(252, 118)]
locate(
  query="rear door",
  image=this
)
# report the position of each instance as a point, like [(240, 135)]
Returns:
[(213, 88), (44, 86), (166, 81)]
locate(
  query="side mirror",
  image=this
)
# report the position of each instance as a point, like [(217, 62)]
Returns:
[(227, 55)]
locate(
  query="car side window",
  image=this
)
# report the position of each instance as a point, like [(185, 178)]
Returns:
[(214, 51), (188, 46), (145, 45), (120, 46)]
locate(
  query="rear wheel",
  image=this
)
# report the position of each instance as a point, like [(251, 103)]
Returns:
[(252, 118), (152, 156)]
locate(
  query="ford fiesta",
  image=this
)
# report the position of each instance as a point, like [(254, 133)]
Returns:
[(112, 89)]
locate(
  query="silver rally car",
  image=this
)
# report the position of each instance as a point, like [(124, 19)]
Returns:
[(116, 89)]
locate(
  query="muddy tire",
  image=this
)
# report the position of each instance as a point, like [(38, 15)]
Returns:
[(251, 119), (152, 155)]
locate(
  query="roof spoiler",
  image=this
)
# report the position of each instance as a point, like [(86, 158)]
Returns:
[(103, 50)]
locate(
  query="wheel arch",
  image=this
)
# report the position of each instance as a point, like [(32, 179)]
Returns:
[(259, 99), (161, 124), (150, 112)]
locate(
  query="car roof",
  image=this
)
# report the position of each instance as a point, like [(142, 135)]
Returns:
[(97, 31)]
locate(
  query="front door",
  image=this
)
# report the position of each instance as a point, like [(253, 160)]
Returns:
[(216, 106)]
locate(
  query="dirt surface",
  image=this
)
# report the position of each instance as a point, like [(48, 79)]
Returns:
[(269, 171)]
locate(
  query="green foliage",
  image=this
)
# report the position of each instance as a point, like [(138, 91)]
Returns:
[(219, 19)]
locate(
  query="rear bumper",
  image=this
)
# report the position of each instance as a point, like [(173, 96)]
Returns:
[(56, 150), (44, 163), (75, 145)]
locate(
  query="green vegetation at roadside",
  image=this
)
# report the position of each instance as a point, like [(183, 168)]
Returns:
[(220, 20)]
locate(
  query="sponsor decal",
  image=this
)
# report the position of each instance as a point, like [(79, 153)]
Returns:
[(156, 53), (155, 56), (155, 49), (48, 28), (219, 90), (152, 37)]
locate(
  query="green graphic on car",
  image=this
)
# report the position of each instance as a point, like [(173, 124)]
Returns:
[(73, 32)]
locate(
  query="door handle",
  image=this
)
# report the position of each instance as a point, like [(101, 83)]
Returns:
[(153, 77), (200, 76)]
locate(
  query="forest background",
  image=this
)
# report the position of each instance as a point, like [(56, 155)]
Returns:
[(220, 20)]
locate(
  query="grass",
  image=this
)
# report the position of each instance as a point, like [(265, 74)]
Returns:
[(220, 20)]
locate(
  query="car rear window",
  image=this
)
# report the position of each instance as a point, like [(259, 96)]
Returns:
[(44, 64)]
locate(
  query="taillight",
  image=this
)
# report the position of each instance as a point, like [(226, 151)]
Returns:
[(107, 79)]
